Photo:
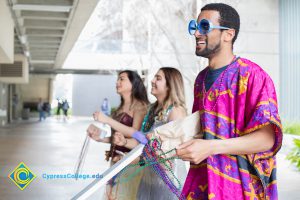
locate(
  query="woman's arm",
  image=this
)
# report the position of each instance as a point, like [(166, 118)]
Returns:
[(94, 133), (177, 113), (125, 130), (120, 140), (138, 116)]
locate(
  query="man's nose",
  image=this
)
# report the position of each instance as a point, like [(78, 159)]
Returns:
[(197, 34)]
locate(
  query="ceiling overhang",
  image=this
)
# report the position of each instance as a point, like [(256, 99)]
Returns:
[(46, 30)]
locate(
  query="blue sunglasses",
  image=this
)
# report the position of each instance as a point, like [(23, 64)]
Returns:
[(204, 27)]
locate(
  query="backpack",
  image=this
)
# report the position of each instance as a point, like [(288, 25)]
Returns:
[(65, 105)]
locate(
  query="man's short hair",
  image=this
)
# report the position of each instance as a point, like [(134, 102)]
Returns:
[(229, 17)]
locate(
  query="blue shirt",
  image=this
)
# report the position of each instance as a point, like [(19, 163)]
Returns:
[(212, 75)]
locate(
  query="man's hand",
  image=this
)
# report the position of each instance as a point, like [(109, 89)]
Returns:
[(195, 150)]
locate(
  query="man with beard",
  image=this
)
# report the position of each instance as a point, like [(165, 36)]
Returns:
[(239, 118)]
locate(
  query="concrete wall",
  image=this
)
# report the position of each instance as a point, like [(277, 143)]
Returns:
[(259, 36), (38, 87), (89, 92)]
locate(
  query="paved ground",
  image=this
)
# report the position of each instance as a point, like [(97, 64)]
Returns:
[(53, 147), (50, 147)]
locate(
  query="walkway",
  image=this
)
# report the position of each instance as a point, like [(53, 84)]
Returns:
[(53, 147)]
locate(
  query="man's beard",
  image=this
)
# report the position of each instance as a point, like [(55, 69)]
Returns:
[(208, 52)]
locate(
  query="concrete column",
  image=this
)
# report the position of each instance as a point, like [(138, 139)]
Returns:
[(50, 92), (6, 35), (3, 104), (9, 103), (14, 102)]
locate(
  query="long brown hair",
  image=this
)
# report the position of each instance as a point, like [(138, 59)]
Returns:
[(138, 91), (175, 95), (174, 82)]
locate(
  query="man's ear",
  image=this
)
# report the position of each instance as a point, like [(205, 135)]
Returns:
[(229, 35)]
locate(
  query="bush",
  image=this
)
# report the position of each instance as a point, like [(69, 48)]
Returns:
[(292, 128), (294, 155), (54, 111), (113, 109)]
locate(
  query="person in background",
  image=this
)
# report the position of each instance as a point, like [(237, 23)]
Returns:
[(47, 108), (41, 110), (15, 102), (65, 107), (59, 107), (105, 107)]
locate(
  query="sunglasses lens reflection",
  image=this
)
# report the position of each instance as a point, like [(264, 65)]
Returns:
[(192, 27), (204, 26)]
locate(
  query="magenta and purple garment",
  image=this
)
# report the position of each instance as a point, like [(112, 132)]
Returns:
[(241, 100)]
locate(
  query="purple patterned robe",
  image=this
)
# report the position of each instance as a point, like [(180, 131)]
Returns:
[(241, 100)]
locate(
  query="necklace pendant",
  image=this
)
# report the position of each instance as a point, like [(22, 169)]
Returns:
[(211, 96)]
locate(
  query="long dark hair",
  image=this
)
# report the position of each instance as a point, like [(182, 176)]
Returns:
[(138, 91)]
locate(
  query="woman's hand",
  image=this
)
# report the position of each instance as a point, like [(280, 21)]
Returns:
[(94, 132), (100, 117), (119, 139)]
